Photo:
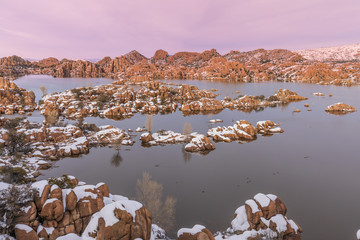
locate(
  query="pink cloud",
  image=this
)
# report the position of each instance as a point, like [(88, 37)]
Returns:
[(93, 29)]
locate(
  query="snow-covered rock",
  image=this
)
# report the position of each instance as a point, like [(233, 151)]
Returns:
[(340, 53), (263, 216), (199, 143), (340, 108), (197, 232), (241, 130), (268, 127)]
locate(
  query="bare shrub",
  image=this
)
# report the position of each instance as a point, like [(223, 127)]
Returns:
[(12, 200), (150, 192)]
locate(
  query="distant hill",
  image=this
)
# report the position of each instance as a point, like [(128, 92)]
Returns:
[(349, 52)]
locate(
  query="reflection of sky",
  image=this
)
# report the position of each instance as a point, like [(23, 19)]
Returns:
[(94, 29), (312, 166), (34, 82)]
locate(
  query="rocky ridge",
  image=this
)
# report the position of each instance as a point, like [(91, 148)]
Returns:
[(253, 66), (14, 99)]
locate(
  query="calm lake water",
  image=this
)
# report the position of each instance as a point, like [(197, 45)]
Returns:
[(313, 166)]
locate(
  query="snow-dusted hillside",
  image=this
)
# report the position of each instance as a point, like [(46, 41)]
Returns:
[(341, 53)]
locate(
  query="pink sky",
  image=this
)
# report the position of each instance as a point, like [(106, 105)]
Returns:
[(98, 28)]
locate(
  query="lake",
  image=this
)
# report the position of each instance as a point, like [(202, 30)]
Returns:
[(313, 166)]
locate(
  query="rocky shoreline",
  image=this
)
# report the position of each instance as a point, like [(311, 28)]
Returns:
[(253, 66), (65, 208)]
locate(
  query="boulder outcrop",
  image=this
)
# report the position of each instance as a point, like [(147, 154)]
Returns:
[(86, 211), (197, 232), (14, 99), (340, 108), (262, 216)]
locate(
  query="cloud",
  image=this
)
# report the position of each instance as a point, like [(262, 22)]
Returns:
[(92, 28)]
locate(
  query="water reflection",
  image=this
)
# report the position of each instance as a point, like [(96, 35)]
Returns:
[(116, 159), (186, 155), (149, 122), (149, 192)]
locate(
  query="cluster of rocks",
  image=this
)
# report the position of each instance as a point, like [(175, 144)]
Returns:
[(249, 103), (40, 142), (121, 101), (253, 66), (195, 142), (14, 99), (52, 142), (243, 130), (340, 108), (263, 217), (89, 211), (65, 208)]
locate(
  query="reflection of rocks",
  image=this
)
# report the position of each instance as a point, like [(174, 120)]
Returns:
[(264, 216), (318, 94), (215, 120), (340, 108), (198, 232)]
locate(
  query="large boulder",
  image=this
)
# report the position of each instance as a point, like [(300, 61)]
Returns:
[(241, 130), (53, 209), (125, 219), (268, 127), (43, 190), (28, 214), (24, 232), (199, 143), (198, 232)]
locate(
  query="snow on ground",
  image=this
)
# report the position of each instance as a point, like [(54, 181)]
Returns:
[(340, 53)]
